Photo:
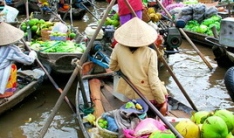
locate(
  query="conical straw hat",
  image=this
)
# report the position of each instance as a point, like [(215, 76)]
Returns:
[(135, 33), (9, 34)]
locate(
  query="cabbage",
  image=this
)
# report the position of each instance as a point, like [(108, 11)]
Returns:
[(203, 28)]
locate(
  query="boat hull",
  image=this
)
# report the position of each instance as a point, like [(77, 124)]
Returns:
[(23, 90)]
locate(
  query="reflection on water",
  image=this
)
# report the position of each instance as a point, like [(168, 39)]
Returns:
[(59, 128), (205, 87)]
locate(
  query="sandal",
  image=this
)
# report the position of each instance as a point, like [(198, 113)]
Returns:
[(6, 94)]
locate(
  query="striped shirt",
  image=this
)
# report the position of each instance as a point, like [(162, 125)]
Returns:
[(9, 54)]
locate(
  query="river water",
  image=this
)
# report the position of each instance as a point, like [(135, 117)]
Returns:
[(205, 87)]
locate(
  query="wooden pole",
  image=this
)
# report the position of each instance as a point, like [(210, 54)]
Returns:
[(154, 109), (75, 73), (72, 106), (187, 38)]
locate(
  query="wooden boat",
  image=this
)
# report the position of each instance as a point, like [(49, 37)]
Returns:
[(198, 38), (77, 13), (26, 84), (96, 92)]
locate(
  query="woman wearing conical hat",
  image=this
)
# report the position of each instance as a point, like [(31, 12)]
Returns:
[(10, 53), (138, 62)]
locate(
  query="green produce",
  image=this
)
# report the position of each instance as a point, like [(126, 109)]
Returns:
[(214, 127), (188, 129), (72, 35), (162, 134), (103, 123), (33, 21), (202, 29), (129, 105), (23, 27), (58, 46), (200, 116), (34, 28), (230, 135), (227, 116)]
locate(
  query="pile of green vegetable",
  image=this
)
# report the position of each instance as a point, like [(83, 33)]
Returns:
[(58, 47), (205, 27)]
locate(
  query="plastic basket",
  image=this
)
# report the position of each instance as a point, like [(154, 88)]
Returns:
[(45, 34), (104, 132)]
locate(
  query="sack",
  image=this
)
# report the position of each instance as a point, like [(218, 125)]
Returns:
[(10, 14)]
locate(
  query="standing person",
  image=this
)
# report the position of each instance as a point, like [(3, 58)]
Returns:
[(10, 53), (138, 62), (125, 13)]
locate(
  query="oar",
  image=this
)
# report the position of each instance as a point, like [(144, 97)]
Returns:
[(154, 109), (187, 38), (75, 73), (52, 80), (168, 67)]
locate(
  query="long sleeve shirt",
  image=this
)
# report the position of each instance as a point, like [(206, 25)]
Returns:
[(9, 54), (141, 68)]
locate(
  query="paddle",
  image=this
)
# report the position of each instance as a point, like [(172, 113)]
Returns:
[(154, 109), (75, 72), (72, 106), (168, 67)]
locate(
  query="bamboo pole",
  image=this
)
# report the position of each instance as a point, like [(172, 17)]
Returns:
[(154, 109), (74, 74)]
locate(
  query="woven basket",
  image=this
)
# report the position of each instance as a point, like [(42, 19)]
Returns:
[(104, 132), (45, 34)]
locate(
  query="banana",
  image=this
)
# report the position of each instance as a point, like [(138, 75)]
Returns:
[(188, 129), (199, 117), (227, 116), (214, 127), (151, 10)]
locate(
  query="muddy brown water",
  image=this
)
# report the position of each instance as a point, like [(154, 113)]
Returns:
[(204, 86)]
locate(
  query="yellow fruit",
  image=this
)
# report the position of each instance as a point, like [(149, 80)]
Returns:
[(159, 15), (188, 129), (138, 106), (151, 10), (154, 17)]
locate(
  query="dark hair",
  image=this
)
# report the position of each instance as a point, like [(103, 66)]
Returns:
[(133, 49)]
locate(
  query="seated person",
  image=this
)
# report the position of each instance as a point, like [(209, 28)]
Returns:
[(10, 53)]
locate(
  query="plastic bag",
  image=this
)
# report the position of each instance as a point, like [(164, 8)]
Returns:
[(60, 27), (10, 14), (147, 126)]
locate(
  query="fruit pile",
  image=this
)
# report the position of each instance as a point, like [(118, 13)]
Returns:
[(113, 20), (36, 26), (103, 123), (154, 16), (133, 104), (204, 124)]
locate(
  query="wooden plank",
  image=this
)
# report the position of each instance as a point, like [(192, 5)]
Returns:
[(114, 102), (179, 114), (106, 105)]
